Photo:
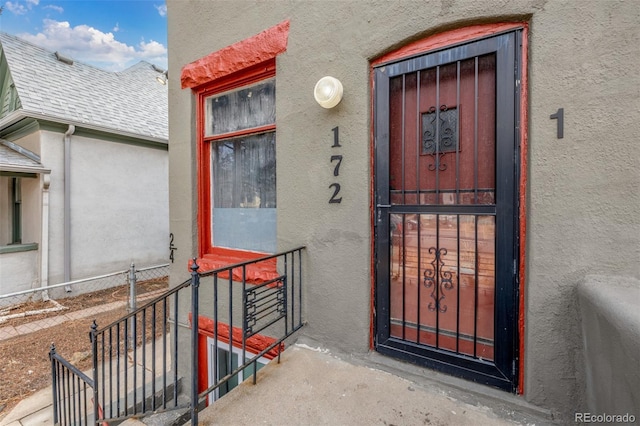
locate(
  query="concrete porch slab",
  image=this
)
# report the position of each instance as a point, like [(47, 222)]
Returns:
[(313, 387)]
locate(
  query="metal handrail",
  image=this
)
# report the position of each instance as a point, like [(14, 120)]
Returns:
[(274, 303), (286, 294), (70, 405), (151, 302)]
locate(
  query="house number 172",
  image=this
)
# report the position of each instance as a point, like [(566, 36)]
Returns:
[(336, 161)]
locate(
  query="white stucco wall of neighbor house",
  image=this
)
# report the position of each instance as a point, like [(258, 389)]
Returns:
[(52, 156), (20, 270), (583, 191), (119, 205)]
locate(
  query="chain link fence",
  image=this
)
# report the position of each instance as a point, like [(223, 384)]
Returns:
[(32, 310)]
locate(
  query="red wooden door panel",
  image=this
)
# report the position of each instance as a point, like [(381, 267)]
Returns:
[(443, 279)]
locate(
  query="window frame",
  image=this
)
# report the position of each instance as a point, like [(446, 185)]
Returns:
[(13, 221), (239, 79), (16, 210), (235, 352)]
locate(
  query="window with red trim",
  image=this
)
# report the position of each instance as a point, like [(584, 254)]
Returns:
[(237, 173), (235, 90)]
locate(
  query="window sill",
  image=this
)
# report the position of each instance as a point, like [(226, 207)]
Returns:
[(255, 273), (15, 248), (254, 344)]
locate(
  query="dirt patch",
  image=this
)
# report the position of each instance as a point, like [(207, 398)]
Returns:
[(70, 304), (25, 367)]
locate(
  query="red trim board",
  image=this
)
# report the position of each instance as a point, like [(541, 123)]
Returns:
[(206, 327), (236, 57)]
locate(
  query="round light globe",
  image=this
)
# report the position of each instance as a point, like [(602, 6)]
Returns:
[(328, 92)]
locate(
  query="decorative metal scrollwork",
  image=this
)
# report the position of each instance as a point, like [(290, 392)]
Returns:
[(264, 304), (438, 280), (439, 138)]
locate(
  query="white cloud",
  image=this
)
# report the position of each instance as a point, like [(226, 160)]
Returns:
[(87, 44), (152, 49), (58, 9), (19, 8), (116, 28), (16, 8), (162, 9)]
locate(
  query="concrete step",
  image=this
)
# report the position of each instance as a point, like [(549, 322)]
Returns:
[(131, 422), (171, 417), (161, 395), (176, 417)]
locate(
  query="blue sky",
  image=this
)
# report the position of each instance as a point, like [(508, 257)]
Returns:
[(110, 34)]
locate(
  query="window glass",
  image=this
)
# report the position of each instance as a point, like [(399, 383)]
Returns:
[(244, 193), (244, 172), (243, 168), (6, 227), (248, 372), (249, 107), (223, 370), (224, 357), (16, 200), (11, 203)]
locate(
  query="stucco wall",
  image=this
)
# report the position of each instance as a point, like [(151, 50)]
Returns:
[(610, 325), (17, 272), (52, 157), (119, 205), (21, 270), (31, 209), (583, 191)]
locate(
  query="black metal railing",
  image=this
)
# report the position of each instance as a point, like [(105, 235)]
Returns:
[(72, 393), (141, 360), (268, 296), (136, 359)]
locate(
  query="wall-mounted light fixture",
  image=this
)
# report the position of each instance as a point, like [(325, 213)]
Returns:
[(328, 92), (162, 78)]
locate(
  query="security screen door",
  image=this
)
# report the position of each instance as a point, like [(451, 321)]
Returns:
[(446, 204)]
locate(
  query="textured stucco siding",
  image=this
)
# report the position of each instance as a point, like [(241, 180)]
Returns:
[(583, 198), (119, 205), (52, 157), (21, 271), (18, 271), (611, 340), (583, 191)]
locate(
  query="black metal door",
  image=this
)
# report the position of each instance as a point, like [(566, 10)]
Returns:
[(446, 202)]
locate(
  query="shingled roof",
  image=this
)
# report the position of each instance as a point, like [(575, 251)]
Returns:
[(130, 101), (14, 158)]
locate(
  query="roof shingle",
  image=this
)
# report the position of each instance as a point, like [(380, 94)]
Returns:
[(131, 100), (12, 159)]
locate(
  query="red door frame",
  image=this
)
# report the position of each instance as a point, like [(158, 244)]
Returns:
[(446, 40)]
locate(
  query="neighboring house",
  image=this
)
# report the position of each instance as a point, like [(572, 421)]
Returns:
[(83, 168), (482, 163)]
